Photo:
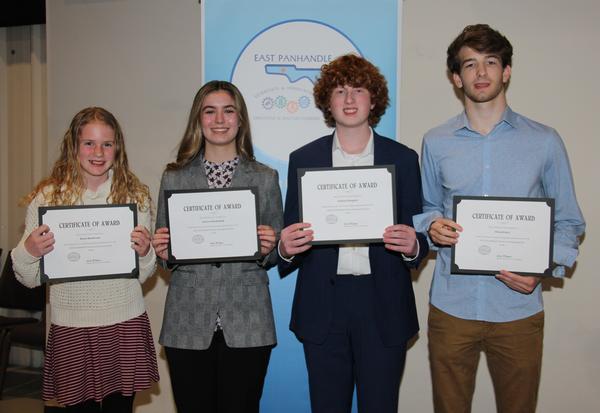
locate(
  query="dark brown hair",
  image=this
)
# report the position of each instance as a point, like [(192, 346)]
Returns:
[(193, 142), (483, 39), (355, 71)]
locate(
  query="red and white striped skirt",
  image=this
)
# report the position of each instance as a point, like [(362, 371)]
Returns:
[(83, 363)]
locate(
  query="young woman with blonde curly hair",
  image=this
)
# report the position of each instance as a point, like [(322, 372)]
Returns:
[(100, 350)]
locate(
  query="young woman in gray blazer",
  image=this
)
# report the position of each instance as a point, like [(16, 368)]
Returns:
[(218, 328)]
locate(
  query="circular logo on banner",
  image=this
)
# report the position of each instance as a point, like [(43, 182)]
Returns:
[(276, 72)]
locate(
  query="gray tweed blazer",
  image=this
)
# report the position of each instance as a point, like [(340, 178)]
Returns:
[(238, 291)]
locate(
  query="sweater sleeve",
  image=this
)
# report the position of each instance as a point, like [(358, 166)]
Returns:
[(148, 262)]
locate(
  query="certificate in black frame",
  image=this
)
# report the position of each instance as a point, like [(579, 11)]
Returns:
[(213, 259), (392, 172), (46, 278), (547, 271)]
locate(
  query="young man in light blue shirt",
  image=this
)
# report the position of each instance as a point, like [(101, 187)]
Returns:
[(489, 150)]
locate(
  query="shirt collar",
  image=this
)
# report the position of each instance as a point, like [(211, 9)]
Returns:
[(231, 162), (368, 150), (508, 117)]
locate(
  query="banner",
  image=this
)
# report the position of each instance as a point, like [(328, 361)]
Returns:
[(272, 50)]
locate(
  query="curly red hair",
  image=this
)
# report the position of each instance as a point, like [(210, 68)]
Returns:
[(355, 71)]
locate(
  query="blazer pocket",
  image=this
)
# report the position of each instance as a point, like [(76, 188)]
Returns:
[(254, 277)]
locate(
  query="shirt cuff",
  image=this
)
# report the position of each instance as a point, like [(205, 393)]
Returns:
[(263, 261), (423, 221), (148, 260), (281, 256), (408, 259)]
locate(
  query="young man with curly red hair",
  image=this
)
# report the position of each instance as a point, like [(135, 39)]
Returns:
[(354, 306)]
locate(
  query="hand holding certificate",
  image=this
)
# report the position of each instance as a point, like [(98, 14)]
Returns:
[(348, 204), (212, 225), (91, 241), (514, 234)]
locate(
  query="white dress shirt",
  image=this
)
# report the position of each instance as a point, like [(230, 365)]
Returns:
[(353, 258)]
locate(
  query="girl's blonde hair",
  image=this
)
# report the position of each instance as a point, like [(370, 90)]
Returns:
[(65, 185)]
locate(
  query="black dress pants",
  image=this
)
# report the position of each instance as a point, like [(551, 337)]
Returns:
[(353, 355), (219, 379)]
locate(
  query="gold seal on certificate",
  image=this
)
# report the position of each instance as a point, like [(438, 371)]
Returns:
[(91, 242), (212, 225), (347, 204), (503, 233)]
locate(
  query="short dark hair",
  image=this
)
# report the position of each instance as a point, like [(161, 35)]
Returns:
[(482, 38), (353, 71)]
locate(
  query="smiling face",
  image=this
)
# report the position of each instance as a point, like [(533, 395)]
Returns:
[(96, 152), (219, 120), (350, 106), (481, 76)]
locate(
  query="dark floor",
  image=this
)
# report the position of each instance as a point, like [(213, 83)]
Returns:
[(22, 382), (22, 391)]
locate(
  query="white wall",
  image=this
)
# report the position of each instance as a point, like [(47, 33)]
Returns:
[(141, 60)]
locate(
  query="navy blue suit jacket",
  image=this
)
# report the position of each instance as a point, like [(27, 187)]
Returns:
[(313, 299)]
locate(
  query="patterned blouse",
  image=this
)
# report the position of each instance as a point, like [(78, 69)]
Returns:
[(219, 174)]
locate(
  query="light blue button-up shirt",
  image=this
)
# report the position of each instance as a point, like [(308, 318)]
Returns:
[(518, 158)]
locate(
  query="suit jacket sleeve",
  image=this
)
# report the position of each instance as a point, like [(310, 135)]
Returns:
[(291, 214), (411, 204), (271, 213)]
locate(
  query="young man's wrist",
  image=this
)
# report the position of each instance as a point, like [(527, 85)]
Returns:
[(281, 255)]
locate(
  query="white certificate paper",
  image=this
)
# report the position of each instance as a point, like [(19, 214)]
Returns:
[(212, 225), (91, 241), (348, 204), (500, 233)]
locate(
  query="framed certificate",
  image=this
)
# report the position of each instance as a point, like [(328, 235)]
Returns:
[(212, 225), (91, 242), (501, 233), (348, 204)]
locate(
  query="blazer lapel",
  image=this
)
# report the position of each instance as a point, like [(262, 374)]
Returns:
[(242, 173), (324, 157), (379, 155), (195, 176)]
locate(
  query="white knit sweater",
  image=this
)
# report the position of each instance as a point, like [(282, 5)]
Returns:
[(86, 303)]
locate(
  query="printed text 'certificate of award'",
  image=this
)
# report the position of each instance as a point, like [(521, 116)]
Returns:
[(348, 204), (513, 234), (91, 241), (212, 225)]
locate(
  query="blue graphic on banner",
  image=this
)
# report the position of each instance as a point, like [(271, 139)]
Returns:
[(273, 50), (293, 73)]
